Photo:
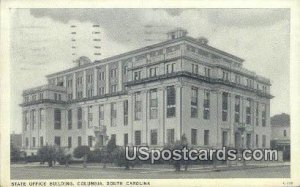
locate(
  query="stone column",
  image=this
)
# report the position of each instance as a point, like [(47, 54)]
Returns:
[(84, 87), (107, 79), (95, 81), (74, 86)]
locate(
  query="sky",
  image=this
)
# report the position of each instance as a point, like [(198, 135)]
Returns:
[(40, 41)]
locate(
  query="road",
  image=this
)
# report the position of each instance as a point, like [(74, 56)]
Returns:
[(43, 172)]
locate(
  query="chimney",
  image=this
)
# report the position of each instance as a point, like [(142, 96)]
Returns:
[(177, 33), (203, 40)]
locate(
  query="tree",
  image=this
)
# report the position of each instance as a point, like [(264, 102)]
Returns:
[(82, 151), (179, 145), (48, 154), (14, 153), (111, 145), (119, 158)]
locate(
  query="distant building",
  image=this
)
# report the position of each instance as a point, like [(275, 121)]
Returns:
[(152, 96), (280, 126)]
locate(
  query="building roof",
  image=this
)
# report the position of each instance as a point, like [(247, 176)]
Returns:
[(185, 38)]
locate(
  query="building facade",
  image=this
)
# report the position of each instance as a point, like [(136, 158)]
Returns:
[(152, 96)]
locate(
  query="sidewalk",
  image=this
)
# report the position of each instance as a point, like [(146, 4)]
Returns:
[(166, 167)]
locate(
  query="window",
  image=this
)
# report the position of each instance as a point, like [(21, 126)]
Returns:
[(153, 72), (26, 142), (125, 69), (225, 76), (195, 68), (70, 96), (284, 133), (41, 95), (33, 97), (171, 102), (101, 115), (69, 142), (170, 136), (137, 137), (33, 119), (194, 102), (207, 72), (90, 116), (41, 141), (125, 109), (137, 75), (248, 141), (42, 118), (206, 105), (153, 104), (237, 107), (90, 78), (249, 83), (101, 91), (126, 139), (206, 137), (57, 140), (90, 141), (113, 88), (90, 93), (101, 140), (224, 106), (79, 80), (257, 114), (263, 115), (57, 119), (194, 136), (26, 98), (59, 97), (170, 68), (248, 111), (137, 106), (79, 95), (237, 79), (256, 141), (70, 83), (264, 89), (113, 73), (224, 138), (69, 119), (101, 76), (26, 120), (79, 142), (79, 118), (33, 141), (113, 114), (153, 136), (263, 141)]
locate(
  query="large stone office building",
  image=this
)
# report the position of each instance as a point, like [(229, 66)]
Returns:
[(152, 96)]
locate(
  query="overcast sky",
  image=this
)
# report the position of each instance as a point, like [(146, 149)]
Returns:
[(40, 41)]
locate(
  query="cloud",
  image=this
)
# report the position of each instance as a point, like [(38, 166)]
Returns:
[(247, 17)]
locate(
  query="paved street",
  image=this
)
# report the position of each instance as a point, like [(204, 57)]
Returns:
[(43, 172)]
